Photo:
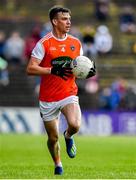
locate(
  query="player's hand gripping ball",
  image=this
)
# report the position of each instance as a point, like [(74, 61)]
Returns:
[(83, 67)]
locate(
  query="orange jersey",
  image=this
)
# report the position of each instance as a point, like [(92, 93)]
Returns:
[(50, 51)]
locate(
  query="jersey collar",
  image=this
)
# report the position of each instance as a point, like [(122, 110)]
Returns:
[(58, 38)]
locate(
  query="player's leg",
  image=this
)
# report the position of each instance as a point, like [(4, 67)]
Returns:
[(53, 143), (72, 114)]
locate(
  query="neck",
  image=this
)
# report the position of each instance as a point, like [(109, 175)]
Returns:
[(58, 35)]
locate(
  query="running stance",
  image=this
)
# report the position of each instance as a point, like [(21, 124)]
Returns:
[(51, 60)]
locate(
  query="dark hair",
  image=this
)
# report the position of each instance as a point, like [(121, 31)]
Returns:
[(55, 10)]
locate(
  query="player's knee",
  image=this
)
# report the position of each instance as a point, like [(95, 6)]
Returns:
[(75, 127)]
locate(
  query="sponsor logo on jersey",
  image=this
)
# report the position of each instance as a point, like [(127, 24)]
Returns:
[(62, 61)]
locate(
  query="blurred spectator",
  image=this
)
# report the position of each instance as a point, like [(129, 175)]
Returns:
[(45, 29), (114, 99), (127, 20), (31, 41), (103, 40), (120, 85), (2, 43), (4, 76), (92, 85), (109, 99), (102, 9), (130, 99), (121, 95), (14, 48), (76, 32), (104, 98), (88, 43)]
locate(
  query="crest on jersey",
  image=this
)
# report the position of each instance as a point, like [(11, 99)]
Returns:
[(72, 47)]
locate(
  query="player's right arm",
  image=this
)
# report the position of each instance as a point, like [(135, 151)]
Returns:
[(34, 68)]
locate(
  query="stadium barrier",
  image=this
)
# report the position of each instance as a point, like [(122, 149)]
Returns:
[(28, 120)]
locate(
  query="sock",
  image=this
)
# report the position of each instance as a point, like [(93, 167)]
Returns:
[(67, 135), (58, 164)]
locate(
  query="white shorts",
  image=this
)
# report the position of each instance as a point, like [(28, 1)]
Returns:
[(51, 110)]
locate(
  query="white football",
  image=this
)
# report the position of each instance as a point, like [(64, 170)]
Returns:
[(81, 66)]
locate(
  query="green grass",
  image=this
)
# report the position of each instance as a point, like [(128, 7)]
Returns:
[(26, 156)]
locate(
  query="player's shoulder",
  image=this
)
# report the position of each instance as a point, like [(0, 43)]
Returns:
[(73, 38), (46, 37)]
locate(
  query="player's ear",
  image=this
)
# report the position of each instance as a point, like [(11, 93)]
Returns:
[(54, 21)]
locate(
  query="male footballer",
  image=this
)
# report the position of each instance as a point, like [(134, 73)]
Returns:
[(51, 58)]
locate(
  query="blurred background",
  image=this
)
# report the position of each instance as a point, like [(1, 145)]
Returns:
[(107, 30)]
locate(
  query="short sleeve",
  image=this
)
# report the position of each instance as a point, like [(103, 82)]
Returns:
[(38, 51)]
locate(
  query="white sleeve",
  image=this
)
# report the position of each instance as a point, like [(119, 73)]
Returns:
[(81, 51), (38, 51)]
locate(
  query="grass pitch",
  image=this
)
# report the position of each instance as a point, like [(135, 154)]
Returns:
[(27, 156)]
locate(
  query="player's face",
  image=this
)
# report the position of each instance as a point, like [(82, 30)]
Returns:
[(63, 22)]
